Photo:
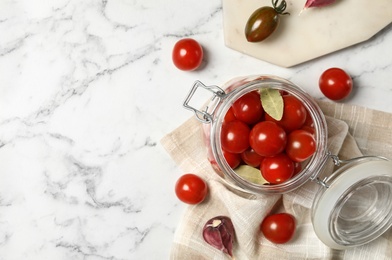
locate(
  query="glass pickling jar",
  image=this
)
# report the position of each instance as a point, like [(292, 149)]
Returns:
[(353, 205)]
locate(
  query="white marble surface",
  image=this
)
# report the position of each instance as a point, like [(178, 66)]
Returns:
[(88, 89)]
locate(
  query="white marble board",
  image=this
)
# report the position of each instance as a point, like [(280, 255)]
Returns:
[(306, 34)]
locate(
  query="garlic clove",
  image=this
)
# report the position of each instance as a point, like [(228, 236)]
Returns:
[(219, 233)]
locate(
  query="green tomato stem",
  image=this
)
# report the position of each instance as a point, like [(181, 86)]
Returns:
[(280, 8)]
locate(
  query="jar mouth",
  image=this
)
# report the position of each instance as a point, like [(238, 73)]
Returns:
[(313, 165)]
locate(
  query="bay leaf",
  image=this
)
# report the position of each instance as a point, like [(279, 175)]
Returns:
[(251, 174), (272, 102)]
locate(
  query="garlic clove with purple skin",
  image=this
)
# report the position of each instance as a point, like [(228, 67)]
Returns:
[(318, 3), (219, 233)]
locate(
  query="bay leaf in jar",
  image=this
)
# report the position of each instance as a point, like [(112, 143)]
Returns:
[(251, 174)]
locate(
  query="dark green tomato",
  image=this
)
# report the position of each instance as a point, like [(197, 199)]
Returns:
[(261, 24)]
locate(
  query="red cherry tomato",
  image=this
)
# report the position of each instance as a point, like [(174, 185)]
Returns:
[(235, 136), (278, 228), (248, 108), (335, 84), (267, 138), (300, 145), (191, 189), (187, 54), (277, 169), (309, 124), (309, 129), (229, 116), (297, 168), (251, 158), (232, 159), (309, 120), (294, 114)]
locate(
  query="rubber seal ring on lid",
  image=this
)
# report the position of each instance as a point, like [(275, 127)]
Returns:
[(343, 215)]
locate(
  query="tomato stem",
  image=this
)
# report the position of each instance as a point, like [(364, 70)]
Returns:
[(280, 8)]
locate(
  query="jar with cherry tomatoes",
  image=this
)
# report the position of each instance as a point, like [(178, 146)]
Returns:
[(237, 129), (269, 126)]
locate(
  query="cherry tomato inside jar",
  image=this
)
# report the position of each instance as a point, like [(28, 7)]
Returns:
[(335, 84), (251, 158), (277, 169), (248, 108), (267, 138), (278, 228), (300, 145), (191, 189), (229, 116), (187, 54), (294, 114), (233, 159), (235, 136)]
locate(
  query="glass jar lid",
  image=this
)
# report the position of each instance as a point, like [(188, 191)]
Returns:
[(354, 205)]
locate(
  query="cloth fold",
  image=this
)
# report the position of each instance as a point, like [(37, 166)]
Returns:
[(352, 131)]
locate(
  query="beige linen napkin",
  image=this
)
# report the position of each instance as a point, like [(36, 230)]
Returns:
[(352, 131)]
